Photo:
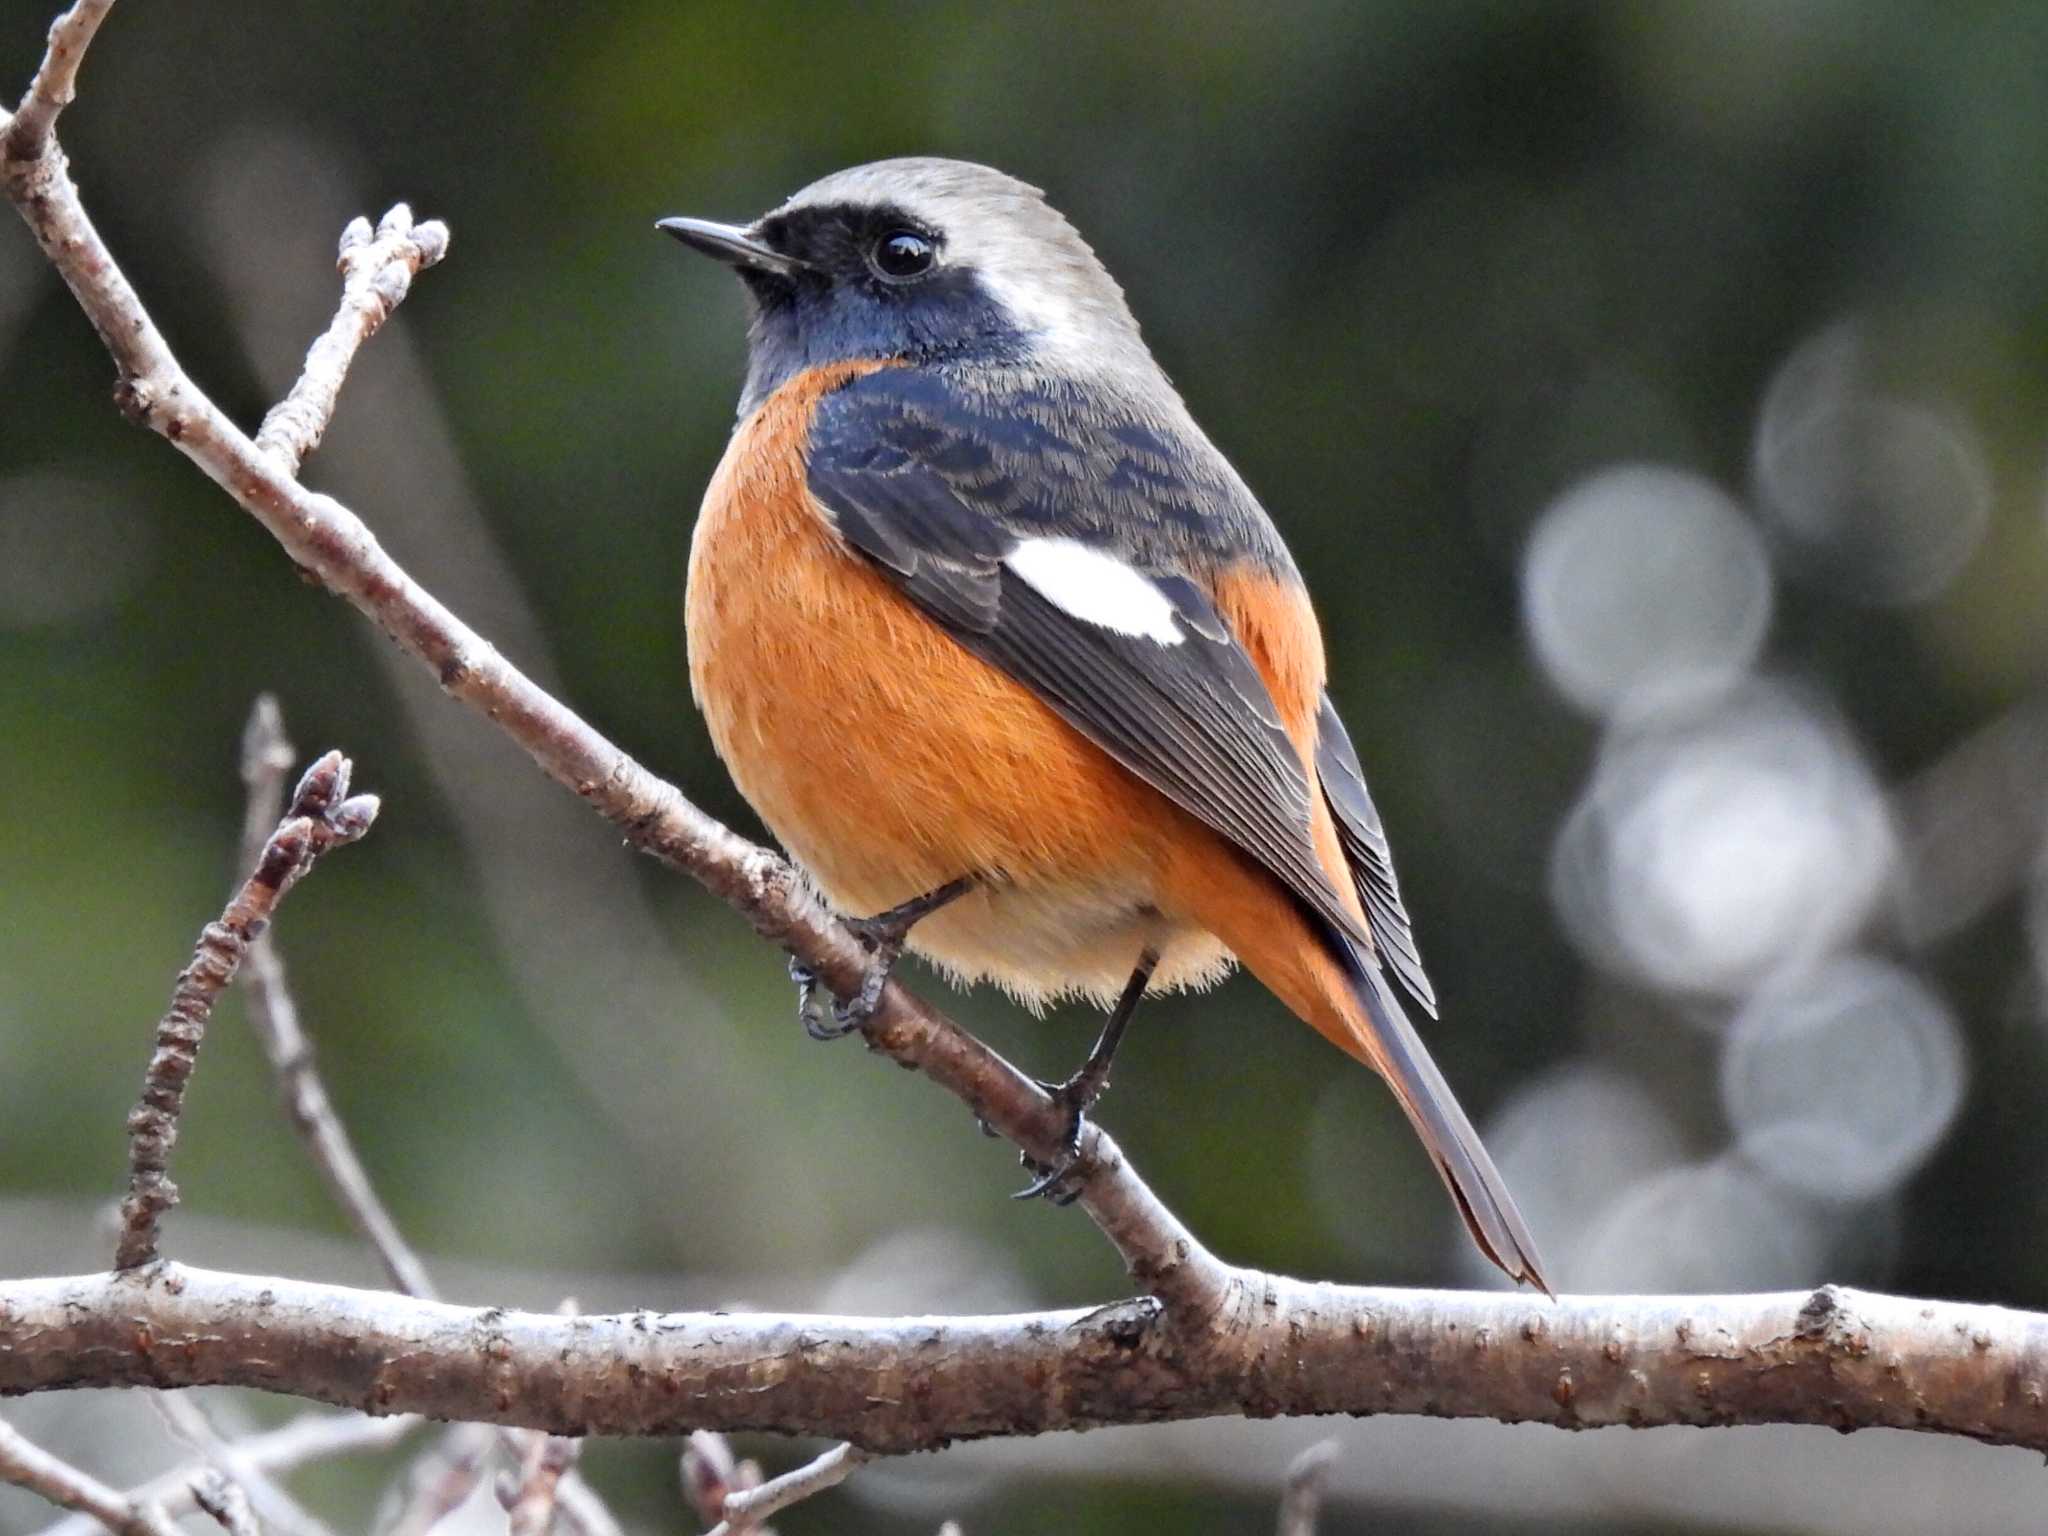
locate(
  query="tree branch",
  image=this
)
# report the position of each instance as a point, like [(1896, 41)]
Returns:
[(1215, 1340), (1843, 1359), (747, 1508), (224, 1461), (548, 1459), (55, 83), (309, 1438), (711, 1474), (377, 271), (27, 1465), (227, 1502), (438, 1481), (327, 539), (1301, 1500), (323, 815), (266, 758)]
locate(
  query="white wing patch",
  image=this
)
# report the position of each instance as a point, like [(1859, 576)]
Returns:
[(1096, 588)]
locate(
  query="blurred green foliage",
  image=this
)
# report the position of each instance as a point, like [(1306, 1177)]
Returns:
[(1417, 264)]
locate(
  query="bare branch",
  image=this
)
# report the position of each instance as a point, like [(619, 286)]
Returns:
[(224, 1500), (745, 1509), (1216, 1340), (544, 1461), (309, 1438), (27, 1465), (436, 1484), (1301, 1502), (377, 272), (322, 816), (327, 539), (266, 757), (578, 1506), (254, 1486), (711, 1472), (1839, 1358), (55, 83), (532, 1508)]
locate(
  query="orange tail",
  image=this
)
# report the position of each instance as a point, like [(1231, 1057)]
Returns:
[(1346, 998)]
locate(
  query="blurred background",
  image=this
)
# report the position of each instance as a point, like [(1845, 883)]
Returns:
[(1654, 398)]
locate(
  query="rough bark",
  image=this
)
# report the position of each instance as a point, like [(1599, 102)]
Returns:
[(1839, 1358)]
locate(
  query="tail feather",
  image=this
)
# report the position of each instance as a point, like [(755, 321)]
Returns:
[(1475, 1184)]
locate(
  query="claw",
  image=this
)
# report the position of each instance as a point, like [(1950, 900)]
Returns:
[(806, 981), (883, 936), (1079, 1094), (853, 1013), (1051, 1182)]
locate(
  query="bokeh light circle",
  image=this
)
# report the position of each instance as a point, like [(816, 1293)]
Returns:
[(1880, 499), (1711, 851), (1839, 1080), (1644, 584)]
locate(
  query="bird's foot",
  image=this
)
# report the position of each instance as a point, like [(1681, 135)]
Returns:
[(883, 937), (809, 1012), (1055, 1181), (847, 1014)]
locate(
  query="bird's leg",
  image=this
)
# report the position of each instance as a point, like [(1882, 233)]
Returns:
[(1079, 1092), (882, 936)]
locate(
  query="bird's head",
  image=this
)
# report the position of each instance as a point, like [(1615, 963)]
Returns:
[(920, 261)]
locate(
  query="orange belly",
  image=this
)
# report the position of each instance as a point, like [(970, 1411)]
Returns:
[(888, 760)]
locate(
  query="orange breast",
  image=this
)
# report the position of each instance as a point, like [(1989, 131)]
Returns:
[(888, 760)]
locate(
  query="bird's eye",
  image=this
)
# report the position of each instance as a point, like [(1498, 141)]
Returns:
[(903, 253)]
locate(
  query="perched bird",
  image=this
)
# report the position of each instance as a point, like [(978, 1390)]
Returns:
[(1009, 658)]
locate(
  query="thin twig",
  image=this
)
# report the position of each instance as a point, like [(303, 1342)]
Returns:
[(1301, 1501), (531, 1510), (440, 1479), (579, 1507), (55, 83), (710, 1473), (309, 1438), (744, 1510), (266, 757), (27, 1465), (188, 1422), (224, 1499), (377, 270), (322, 815)]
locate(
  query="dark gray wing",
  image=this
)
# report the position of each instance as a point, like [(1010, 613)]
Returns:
[(1366, 850), (939, 489)]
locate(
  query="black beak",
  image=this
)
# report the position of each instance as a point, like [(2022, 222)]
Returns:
[(731, 244)]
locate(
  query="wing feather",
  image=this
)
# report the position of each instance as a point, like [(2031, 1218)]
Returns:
[(1370, 857), (929, 483)]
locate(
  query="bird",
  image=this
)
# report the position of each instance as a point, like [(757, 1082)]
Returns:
[(1012, 662)]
